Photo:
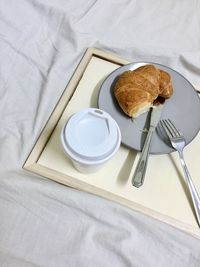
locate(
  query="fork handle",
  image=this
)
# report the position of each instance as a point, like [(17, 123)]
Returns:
[(191, 186), (139, 174)]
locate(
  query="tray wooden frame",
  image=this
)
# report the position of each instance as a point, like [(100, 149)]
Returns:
[(31, 163)]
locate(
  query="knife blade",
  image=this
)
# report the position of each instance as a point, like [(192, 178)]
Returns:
[(140, 171)]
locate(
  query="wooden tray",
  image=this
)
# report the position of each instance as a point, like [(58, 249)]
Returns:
[(163, 196)]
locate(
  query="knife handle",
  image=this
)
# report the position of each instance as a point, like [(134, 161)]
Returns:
[(139, 174)]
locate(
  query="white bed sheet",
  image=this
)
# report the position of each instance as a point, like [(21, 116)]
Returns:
[(43, 223)]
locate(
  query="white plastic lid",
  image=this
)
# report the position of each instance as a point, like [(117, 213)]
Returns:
[(90, 134)]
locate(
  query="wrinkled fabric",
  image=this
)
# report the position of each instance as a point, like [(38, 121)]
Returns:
[(43, 223)]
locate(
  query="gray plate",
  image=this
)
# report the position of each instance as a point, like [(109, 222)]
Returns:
[(183, 108)]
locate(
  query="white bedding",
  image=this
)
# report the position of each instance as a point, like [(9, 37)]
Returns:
[(43, 223)]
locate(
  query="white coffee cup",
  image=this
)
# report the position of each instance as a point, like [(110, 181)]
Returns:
[(90, 138)]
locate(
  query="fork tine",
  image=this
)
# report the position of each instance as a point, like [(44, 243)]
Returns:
[(174, 129), (170, 128), (166, 128)]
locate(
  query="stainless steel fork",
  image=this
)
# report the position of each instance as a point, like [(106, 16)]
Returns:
[(177, 141)]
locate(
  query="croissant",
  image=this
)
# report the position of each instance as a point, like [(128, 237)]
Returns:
[(136, 91)]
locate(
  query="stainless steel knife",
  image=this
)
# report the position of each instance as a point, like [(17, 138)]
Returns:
[(140, 171)]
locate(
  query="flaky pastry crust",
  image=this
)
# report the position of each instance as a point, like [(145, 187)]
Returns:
[(136, 90)]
